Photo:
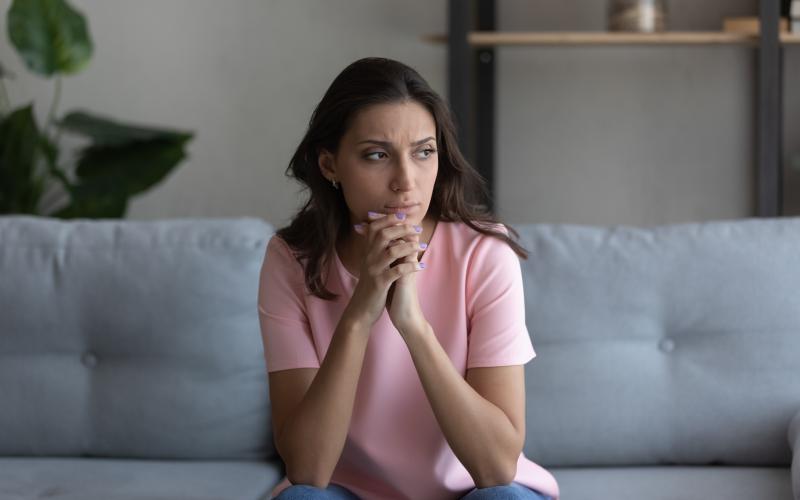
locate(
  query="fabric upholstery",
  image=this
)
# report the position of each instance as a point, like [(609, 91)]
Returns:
[(673, 483), (121, 479), (132, 339), (667, 345), (794, 442), (668, 359)]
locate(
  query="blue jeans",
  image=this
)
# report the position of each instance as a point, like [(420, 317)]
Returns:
[(513, 491), (304, 492)]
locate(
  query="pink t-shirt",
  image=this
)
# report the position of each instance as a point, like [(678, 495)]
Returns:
[(471, 294)]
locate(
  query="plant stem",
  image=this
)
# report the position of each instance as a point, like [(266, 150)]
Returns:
[(51, 168), (53, 106), (56, 202), (62, 182), (5, 102)]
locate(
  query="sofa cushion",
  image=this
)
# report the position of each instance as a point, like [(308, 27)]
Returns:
[(132, 338), (670, 483), (660, 346), (119, 479), (794, 441)]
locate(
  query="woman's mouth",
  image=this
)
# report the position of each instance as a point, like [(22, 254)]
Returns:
[(404, 208)]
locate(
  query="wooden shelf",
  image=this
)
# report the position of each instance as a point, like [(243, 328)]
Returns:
[(790, 38), (472, 37), (511, 38)]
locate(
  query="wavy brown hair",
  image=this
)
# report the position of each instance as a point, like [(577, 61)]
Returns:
[(459, 192)]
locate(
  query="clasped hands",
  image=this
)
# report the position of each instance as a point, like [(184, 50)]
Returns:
[(392, 240)]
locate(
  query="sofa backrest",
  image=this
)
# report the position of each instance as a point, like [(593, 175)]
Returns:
[(666, 345), (132, 338)]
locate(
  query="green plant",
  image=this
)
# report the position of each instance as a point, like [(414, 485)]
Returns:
[(119, 161)]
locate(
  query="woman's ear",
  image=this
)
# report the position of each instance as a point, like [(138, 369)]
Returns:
[(327, 164)]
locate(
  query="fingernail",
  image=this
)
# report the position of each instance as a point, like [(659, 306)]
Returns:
[(423, 246), (422, 265), (374, 215), (400, 215), (359, 228), (418, 229)]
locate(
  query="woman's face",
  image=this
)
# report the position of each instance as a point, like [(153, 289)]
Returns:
[(387, 161)]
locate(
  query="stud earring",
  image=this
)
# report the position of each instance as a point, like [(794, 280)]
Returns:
[(333, 181)]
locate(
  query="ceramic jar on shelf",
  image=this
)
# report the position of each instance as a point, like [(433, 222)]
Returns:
[(648, 16)]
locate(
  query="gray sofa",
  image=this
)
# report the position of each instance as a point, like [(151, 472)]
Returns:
[(131, 364)]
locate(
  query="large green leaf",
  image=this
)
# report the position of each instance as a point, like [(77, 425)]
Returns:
[(49, 35), (131, 168), (106, 132), (122, 161), (87, 201), (21, 147)]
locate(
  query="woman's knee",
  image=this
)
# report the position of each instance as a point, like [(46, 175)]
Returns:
[(513, 491)]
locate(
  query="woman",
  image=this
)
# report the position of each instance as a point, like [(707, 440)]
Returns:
[(392, 309)]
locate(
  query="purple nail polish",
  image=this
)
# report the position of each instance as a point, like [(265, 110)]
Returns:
[(418, 229), (374, 215), (359, 228), (422, 265), (423, 246), (400, 215)]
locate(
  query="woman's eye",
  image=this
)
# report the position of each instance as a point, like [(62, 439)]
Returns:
[(371, 156), (428, 152)]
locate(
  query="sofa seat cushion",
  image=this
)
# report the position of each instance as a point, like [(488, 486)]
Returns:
[(120, 479), (673, 482)]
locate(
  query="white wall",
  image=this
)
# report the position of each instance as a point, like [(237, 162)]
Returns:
[(635, 135), (594, 135), (245, 75)]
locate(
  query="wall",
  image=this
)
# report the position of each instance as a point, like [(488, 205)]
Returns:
[(245, 75), (589, 135), (631, 135)]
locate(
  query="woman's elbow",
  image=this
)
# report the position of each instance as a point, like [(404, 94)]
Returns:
[(307, 477), (301, 470), (500, 473)]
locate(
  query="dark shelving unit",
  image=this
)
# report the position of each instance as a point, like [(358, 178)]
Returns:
[(472, 39)]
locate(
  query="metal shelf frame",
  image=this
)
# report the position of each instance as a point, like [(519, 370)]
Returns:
[(471, 91)]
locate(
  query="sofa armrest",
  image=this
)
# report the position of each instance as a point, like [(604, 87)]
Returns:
[(794, 442)]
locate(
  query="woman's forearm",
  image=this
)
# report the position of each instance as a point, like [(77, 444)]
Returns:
[(313, 437), (480, 434)]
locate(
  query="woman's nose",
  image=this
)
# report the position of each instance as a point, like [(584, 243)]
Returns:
[(403, 177)]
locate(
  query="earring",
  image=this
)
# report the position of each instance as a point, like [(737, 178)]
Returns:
[(333, 181)]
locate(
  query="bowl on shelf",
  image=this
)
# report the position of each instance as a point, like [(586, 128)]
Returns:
[(641, 16)]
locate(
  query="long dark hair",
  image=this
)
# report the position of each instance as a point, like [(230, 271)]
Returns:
[(459, 192)]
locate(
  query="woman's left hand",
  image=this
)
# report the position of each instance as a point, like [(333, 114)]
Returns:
[(402, 301), (404, 309)]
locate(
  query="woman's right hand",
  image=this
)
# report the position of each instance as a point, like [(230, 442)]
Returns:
[(388, 239)]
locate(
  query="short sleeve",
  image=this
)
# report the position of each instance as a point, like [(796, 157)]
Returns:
[(285, 330), (497, 335)]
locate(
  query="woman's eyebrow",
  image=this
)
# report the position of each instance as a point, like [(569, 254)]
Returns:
[(387, 144)]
